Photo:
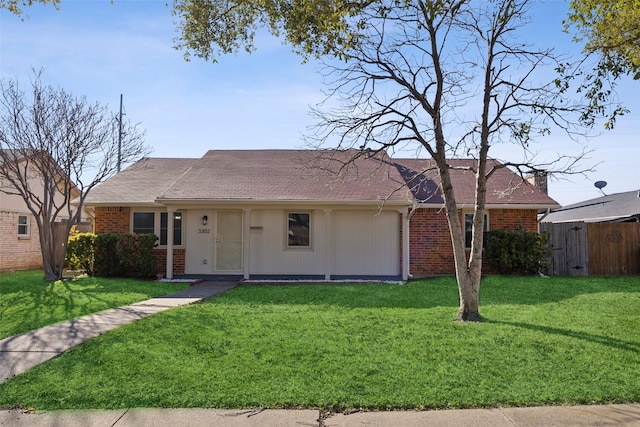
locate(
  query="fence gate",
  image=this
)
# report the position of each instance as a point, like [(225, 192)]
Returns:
[(568, 243)]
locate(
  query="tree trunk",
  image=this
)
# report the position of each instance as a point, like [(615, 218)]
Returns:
[(469, 290), (53, 246), (468, 272)]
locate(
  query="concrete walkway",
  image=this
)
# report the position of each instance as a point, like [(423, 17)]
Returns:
[(22, 352), (565, 416)]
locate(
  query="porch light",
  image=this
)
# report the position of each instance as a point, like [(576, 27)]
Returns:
[(205, 219)]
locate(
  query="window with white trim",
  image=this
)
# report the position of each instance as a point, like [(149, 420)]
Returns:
[(468, 229), (149, 222), (23, 226), (177, 228), (298, 230)]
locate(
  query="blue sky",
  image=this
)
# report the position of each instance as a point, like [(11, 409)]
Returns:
[(101, 50)]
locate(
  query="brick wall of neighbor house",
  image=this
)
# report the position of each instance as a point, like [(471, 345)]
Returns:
[(431, 252), (111, 220), (18, 253), (178, 260)]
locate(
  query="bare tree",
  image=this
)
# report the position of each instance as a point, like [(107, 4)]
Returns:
[(55, 147), (451, 77), (447, 76)]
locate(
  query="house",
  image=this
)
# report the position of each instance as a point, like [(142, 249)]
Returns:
[(619, 207), (262, 214), (20, 248)]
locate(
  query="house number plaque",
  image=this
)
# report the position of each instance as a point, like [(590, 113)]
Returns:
[(204, 230)]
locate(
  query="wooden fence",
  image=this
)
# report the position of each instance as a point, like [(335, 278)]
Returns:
[(594, 249)]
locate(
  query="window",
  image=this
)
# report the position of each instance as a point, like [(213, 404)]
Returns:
[(298, 228), (468, 227), (23, 226), (177, 228), (149, 222), (143, 222)]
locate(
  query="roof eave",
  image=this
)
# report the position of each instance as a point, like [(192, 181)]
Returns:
[(592, 219), (122, 203), (167, 201), (495, 205)]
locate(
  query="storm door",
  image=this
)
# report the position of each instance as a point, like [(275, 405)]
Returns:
[(228, 241)]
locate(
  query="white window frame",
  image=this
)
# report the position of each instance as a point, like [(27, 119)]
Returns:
[(27, 226), (157, 225), (287, 230), (464, 228)]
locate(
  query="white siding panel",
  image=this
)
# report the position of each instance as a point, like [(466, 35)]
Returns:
[(268, 251), (366, 242)]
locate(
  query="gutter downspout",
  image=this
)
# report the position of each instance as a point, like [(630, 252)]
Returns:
[(544, 216)]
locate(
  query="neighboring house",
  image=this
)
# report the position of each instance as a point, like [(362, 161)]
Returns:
[(262, 214), (18, 234), (20, 242), (619, 207)]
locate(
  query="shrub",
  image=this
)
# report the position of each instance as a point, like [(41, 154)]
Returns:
[(80, 252), (517, 252), (135, 253), (125, 255), (107, 262)]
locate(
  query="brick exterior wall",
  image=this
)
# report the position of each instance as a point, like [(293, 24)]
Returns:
[(178, 260), (512, 219), (431, 251), (117, 220), (18, 253), (112, 220)]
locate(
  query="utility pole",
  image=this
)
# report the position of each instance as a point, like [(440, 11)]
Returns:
[(120, 135)]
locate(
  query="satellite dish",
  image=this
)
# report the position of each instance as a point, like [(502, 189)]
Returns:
[(600, 185)]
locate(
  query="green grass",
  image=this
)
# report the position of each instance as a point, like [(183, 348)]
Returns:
[(376, 347), (28, 302)]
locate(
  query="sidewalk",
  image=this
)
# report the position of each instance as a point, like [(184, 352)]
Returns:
[(25, 351), (565, 416)]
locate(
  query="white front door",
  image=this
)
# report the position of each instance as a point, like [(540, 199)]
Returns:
[(228, 241), (214, 242)]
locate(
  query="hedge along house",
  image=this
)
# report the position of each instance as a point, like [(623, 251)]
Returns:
[(261, 214)]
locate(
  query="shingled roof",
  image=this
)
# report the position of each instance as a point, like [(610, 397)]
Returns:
[(304, 176), (619, 207), (504, 187), (287, 175), (140, 183)]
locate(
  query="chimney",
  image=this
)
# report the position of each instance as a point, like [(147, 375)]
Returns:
[(539, 180)]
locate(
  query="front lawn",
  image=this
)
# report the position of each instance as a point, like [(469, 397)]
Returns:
[(543, 341), (28, 302)]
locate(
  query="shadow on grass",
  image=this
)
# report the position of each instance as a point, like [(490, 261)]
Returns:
[(616, 343), (532, 290), (429, 293), (27, 301)]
